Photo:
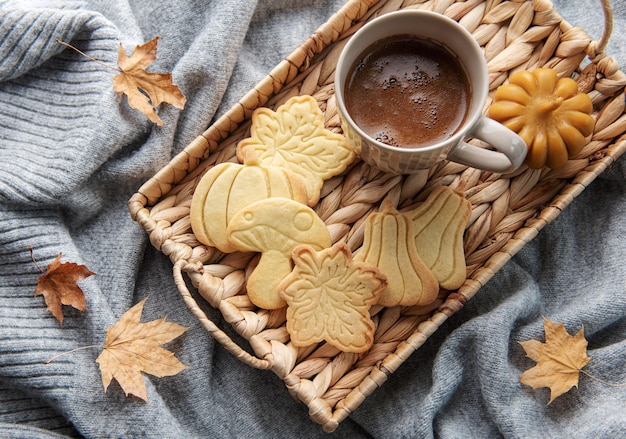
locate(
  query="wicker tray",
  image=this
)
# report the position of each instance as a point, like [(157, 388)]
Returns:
[(507, 210)]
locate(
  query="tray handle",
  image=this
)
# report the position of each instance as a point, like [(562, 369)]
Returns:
[(607, 10), (224, 339)]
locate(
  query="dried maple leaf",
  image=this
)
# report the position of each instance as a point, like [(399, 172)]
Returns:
[(329, 296), (132, 347), (59, 285), (559, 359), (134, 79)]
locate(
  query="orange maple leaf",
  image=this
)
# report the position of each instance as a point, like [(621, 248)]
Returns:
[(132, 347), (559, 360), (135, 82), (59, 285)]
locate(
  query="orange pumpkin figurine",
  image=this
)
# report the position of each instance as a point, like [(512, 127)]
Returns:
[(547, 112)]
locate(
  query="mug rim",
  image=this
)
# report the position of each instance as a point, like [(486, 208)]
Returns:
[(474, 114)]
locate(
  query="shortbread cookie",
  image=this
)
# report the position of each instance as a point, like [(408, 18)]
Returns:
[(438, 227), (329, 296), (228, 187), (389, 244), (274, 227), (294, 137)]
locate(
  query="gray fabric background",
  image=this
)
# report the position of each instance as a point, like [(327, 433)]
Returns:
[(71, 155)]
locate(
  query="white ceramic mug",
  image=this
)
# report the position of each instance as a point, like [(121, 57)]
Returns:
[(510, 149)]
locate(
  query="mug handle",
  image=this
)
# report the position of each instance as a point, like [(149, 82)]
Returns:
[(510, 154)]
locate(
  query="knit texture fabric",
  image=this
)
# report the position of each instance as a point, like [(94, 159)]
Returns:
[(72, 152)]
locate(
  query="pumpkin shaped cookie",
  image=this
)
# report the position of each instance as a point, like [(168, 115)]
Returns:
[(294, 137), (547, 112), (229, 187), (389, 245), (438, 227)]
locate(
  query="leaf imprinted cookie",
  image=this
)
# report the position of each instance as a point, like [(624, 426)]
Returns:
[(329, 296), (294, 137)]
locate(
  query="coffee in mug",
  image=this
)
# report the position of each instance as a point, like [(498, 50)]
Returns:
[(411, 87), (417, 91)]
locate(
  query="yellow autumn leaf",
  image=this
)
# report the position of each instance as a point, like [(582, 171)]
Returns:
[(145, 90), (132, 347), (559, 359), (135, 82)]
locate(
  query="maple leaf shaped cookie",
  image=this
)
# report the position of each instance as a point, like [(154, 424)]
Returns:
[(329, 296), (132, 347), (559, 359), (294, 137), (59, 286)]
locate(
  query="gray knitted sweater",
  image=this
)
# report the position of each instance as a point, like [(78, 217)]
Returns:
[(72, 153)]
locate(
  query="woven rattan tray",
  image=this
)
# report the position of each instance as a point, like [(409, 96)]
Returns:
[(507, 210)]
